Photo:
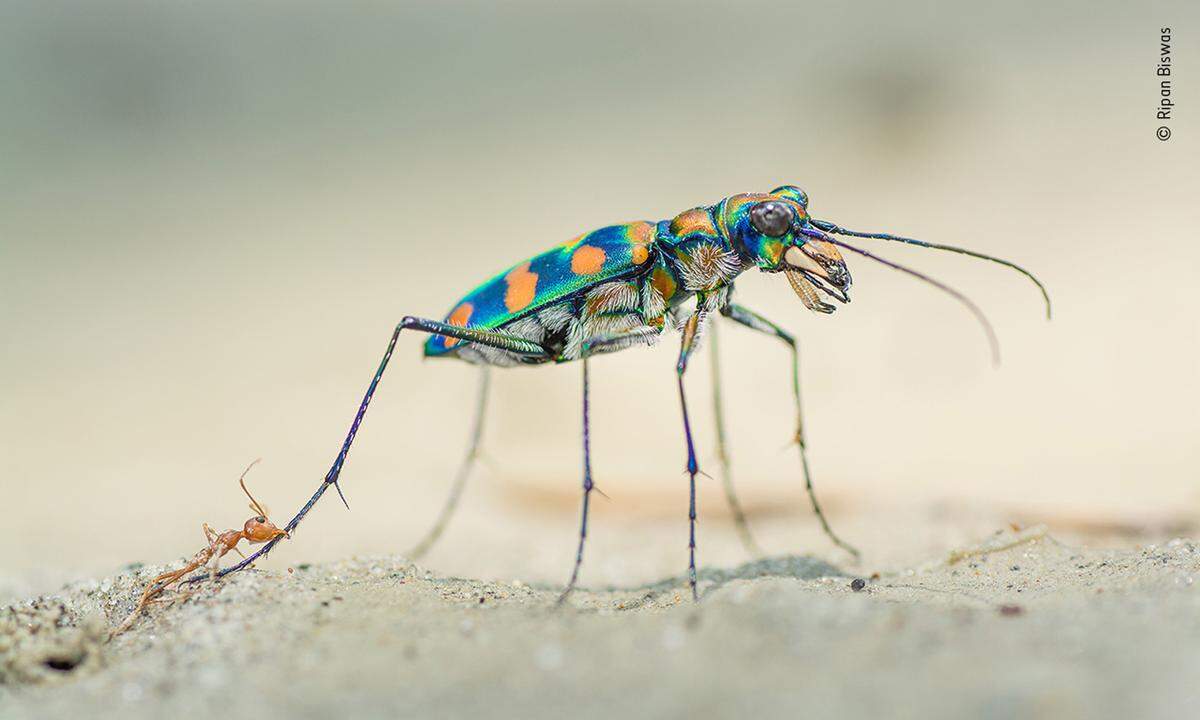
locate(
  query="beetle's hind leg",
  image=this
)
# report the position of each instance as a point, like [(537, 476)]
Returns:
[(464, 471), (489, 338), (735, 506), (754, 321)]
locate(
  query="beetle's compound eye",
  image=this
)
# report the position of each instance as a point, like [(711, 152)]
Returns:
[(771, 218), (260, 519)]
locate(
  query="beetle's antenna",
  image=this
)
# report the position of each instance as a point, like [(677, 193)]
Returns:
[(987, 325), (254, 504), (833, 228)]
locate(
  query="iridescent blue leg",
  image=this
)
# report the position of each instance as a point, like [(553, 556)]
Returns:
[(587, 488), (481, 337), (591, 347), (691, 332), (464, 470), (754, 321)]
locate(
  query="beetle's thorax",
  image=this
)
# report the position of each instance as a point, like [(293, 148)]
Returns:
[(697, 253)]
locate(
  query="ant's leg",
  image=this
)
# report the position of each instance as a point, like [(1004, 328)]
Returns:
[(735, 507), (691, 334), (464, 471), (165, 579), (754, 321), (214, 563), (489, 338), (213, 538)]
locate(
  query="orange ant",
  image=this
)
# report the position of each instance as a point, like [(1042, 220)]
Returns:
[(257, 529)]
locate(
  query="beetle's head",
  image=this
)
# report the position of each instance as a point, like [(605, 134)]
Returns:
[(773, 231)]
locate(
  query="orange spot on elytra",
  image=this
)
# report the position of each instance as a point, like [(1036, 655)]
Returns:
[(522, 286), (587, 260), (641, 233), (460, 317)]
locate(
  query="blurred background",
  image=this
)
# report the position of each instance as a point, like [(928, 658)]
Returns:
[(211, 217)]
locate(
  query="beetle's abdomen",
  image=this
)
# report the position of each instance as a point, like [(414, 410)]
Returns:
[(613, 308), (572, 268)]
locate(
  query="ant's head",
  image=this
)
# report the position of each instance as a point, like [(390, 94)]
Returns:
[(773, 231), (259, 529)]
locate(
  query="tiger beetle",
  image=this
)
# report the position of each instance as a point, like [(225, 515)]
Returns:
[(623, 286)]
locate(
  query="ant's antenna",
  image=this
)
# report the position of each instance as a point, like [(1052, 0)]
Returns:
[(254, 504)]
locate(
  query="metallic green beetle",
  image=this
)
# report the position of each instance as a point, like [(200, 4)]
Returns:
[(626, 285)]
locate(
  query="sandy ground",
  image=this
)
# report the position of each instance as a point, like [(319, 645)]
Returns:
[(1021, 624), (216, 212)]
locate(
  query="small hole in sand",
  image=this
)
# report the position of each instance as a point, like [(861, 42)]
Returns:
[(63, 664)]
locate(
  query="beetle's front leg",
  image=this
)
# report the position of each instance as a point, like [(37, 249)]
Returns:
[(735, 506), (754, 321)]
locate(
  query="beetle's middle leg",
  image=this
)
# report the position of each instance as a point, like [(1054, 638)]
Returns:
[(588, 486), (754, 321), (464, 471), (591, 347), (691, 333)]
